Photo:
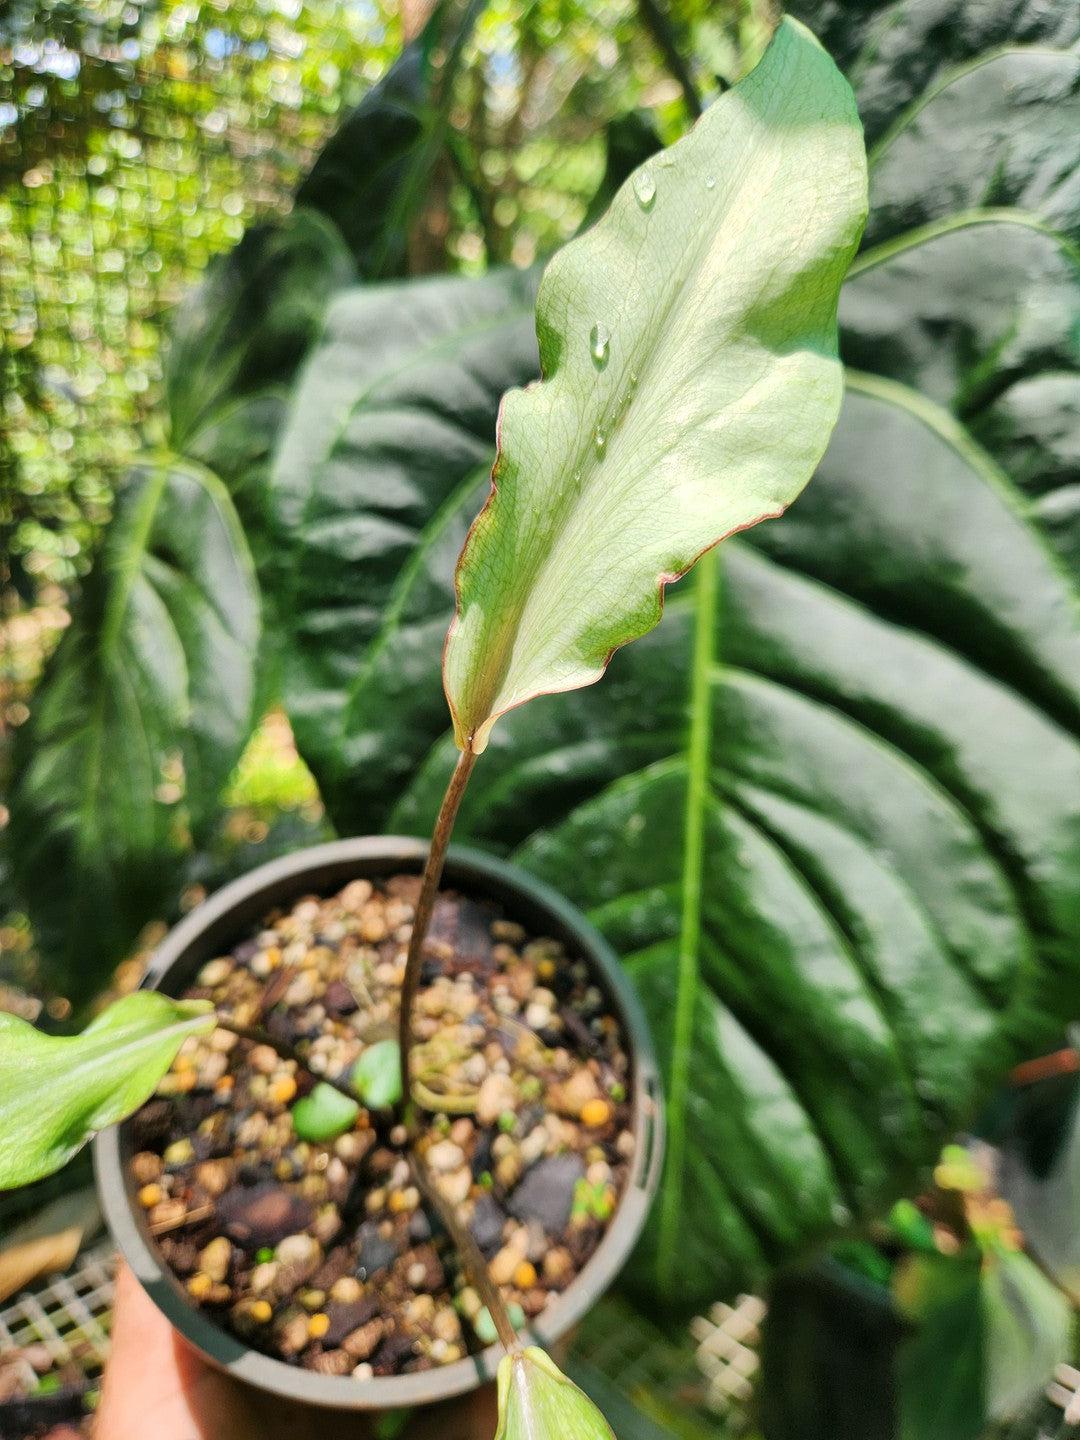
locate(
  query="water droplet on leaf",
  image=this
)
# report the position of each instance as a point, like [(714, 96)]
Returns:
[(599, 440), (710, 183), (599, 342), (644, 188)]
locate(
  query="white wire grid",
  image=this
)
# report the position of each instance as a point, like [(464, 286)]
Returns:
[(727, 1351), (69, 1316)]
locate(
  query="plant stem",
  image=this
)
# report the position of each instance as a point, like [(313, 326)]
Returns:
[(476, 1267), (471, 1257), (659, 27), (425, 904)]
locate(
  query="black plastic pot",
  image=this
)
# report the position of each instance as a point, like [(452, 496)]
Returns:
[(228, 917)]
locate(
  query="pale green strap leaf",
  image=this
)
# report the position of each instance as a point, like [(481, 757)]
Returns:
[(57, 1091), (538, 1402), (688, 344)]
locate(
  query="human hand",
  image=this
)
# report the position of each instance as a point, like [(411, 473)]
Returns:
[(156, 1384)]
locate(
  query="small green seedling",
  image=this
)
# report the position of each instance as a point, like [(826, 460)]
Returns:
[(592, 1202), (324, 1114), (376, 1076)]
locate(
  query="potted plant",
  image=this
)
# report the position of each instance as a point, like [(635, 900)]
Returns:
[(691, 380), (157, 1173)]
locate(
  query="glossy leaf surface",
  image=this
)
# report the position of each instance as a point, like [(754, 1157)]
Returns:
[(829, 811), (376, 1076), (324, 1114)]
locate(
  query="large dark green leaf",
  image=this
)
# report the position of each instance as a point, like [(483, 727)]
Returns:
[(897, 51), (830, 811), (382, 466), (372, 177), (245, 329), (156, 669)]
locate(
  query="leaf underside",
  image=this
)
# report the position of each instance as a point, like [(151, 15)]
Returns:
[(688, 348), (58, 1091), (829, 811)]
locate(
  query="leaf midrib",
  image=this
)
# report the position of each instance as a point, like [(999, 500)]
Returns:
[(952, 224), (948, 78), (88, 1062), (698, 750)]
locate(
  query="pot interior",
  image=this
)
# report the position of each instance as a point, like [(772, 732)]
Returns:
[(229, 917)]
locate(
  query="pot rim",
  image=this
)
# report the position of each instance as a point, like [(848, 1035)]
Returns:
[(318, 869)]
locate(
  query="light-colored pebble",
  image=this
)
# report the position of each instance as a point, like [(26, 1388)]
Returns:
[(350, 1147), (263, 1058), (420, 1310), (214, 1259), (534, 1146), (446, 1324), (508, 1170), (506, 1260), (215, 972), (180, 1152), (146, 1167), (537, 1016), (456, 1186), (347, 1290), (298, 1250), (364, 1339), (444, 1157), (302, 990), (497, 1094), (558, 1266), (263, 1276)]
